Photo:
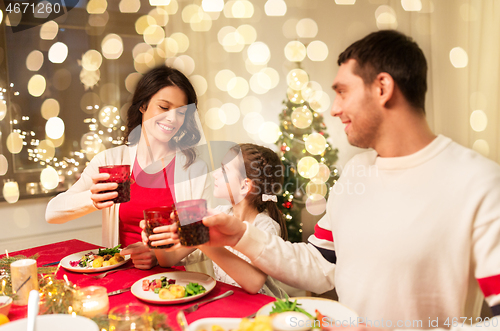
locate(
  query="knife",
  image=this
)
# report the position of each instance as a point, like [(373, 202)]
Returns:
[(118, 291)]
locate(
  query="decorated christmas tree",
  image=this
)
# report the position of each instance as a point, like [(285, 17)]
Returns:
[(305, 152)]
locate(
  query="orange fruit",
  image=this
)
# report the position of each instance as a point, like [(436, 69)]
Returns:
[(4, 319)]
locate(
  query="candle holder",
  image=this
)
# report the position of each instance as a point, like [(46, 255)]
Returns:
[(132, 316), (24, 278), (91, 301)]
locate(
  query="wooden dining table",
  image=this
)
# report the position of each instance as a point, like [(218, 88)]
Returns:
[(238, 305)]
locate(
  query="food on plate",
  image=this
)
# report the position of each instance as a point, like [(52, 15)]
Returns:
[(281, 306), (259, 323), (168, 290), (104, 257)]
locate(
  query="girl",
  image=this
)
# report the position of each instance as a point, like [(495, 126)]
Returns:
[(254, 175), (161, 135)]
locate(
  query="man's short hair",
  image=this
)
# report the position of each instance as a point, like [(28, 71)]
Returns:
[(396, 54)]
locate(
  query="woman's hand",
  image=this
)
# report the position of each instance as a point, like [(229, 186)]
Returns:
[(164, 235), (101, 200), (141, 255)]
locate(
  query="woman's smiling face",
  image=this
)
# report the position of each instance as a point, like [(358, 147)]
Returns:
[(165, 114)]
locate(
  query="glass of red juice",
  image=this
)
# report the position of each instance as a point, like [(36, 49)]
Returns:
[(157, 216), (190, 228), (119, 174)]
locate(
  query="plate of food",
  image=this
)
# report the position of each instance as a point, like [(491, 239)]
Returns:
[(95, 260), (324, 311), (173, 287)]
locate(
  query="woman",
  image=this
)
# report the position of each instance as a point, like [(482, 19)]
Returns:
[(161, 134)]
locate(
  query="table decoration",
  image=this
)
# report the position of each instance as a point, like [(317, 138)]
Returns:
[(91, 301), (24, 278), (130, 316)]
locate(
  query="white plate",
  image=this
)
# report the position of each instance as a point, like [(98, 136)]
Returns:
[(77, 256), (206, 323), (326, 307), (181, 278), (54, 322)]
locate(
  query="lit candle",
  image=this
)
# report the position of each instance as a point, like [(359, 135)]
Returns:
[(91, 301), (66, 279), (7, 253), (24, 279), (3, 286)]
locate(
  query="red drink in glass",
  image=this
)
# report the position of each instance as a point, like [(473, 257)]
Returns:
[(190, 227), (157, 216), (119, 174)]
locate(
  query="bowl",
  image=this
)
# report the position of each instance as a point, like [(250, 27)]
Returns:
[(5, 303)]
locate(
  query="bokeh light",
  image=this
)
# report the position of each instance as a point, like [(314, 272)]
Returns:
[(212, 5), (49, 30), (269, 132), (54, 128), (237, 87), (58, 52), (182, 41), (49, 178), (212, 119), (159, 2), (222, 79), (154, 34), (143, 23), (200, 84), (260, 83), (250, 104), (130, 6), (14, 142), (112, 46), (99, 20), (478, 120), (248, 33), (481, 146), (458, 57), (160, 15), (34, 61), (310, 89), (36, 85), (275, 8), (323, 173), (205, 24), (386, 17), (302, 117), (307, 28), (3, 109), (316, 187), (11, 192), (273, 75), (317, 51), (90, 103), (308, 167), (97, 6), (109, 116), (345, 2), (411, 5), (259, 53), (295, 51), (289, 28), (297, 79), (252, 122), (50, 108), (315, 143), (61, 79), (91, 60), (229, 113), (316, 204), (185, 64), (320, 102), (4, 165), (46, 150)]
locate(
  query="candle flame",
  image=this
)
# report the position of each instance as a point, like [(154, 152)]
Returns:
[(66, 279), (7, 253)]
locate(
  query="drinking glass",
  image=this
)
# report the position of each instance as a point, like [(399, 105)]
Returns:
[(190, 228), (157, 216), (131, 316), (119, 174)]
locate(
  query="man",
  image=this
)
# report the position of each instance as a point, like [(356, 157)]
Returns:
[(412, 246)]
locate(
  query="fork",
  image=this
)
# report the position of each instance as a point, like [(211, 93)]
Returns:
[(101, 276), (196, 306)]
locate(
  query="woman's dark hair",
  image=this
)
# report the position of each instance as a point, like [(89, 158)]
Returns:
[(152, 82), (396, 54), (264, 168)]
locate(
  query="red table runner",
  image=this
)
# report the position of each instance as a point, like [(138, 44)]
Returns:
[(239, 304)]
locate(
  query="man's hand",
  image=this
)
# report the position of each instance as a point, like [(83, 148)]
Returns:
[(225, 230), (141, 255)]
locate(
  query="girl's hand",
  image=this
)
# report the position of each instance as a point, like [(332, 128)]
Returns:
[(164, 235), (99, 199), (141, 255)]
